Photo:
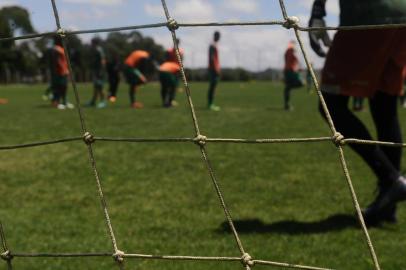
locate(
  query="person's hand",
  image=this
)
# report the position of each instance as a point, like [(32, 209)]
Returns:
[(318, 36)]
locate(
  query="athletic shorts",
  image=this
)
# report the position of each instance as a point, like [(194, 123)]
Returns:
[(292, 79), (214, 77), (59, 81), (361, 62), (168, 79), (132, 75)]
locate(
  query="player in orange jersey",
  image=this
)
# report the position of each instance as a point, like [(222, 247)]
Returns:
[(59, 75), (214, 71), (172, 57), (168, 78), (171, 53), (134, 67), (291, 74)]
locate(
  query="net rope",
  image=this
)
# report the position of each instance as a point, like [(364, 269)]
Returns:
[(199, 139)]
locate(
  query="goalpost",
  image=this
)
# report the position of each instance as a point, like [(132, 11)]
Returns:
[(248, 261)]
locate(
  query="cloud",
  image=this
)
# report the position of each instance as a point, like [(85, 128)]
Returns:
[(96, 2), (242, 6), (332, 7), (184, 10), (5, 3), (154, 10), (74, 16)]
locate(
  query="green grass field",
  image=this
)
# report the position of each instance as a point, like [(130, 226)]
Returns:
[(290, 202)]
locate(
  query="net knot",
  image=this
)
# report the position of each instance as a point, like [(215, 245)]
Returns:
[(88, 138), (338, 139), (6, 255), (61, 32), (119, 256), (246, 260), (291, 22), (172, 24), (200, 140)]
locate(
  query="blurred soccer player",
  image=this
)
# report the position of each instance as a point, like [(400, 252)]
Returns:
[(98, 64), (309, 81), (172, 57), (113, 73), (59, 75), (168, 78), (367, 63), (291, 74), (214, 71), (171, 53), (134, 67)]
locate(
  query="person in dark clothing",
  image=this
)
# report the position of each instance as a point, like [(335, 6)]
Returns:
[(214, 71), (113, 68), (374, 71)]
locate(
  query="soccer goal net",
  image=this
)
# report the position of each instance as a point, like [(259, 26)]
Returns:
[(247, 259)]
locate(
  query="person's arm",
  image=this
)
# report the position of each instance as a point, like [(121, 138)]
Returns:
[(317, 20)]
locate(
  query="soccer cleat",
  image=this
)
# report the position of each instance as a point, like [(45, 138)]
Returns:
[(214, 108), (174, 103), (112, 99), (61, 106), (288, 108), (383, 208), (70, 105), (137, 105), (101, 105)]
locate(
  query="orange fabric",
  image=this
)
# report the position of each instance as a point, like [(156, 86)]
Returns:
[(291, 60), (171, 55), (214, 61), (61, 67), (353, 69), (170, 67), (135, 57)]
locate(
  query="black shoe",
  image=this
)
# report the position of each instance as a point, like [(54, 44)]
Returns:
[(383, 208)]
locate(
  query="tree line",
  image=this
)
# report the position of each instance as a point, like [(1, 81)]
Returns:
[(28, 60)]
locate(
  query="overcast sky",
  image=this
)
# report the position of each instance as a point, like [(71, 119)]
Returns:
[(255, 48)]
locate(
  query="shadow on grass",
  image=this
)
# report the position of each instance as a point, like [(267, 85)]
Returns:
[(332, 223)]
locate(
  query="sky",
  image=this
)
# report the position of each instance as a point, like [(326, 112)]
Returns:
[(252, 47)]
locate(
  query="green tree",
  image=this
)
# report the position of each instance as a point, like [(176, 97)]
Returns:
[(12, 19)]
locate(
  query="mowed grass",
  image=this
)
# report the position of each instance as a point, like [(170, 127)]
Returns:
[(290, 202)]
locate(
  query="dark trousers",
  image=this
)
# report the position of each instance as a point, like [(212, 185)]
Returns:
[(383, 160), (113, 86), (213, 78)]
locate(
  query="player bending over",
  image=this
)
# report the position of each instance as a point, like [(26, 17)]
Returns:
[(134, 66), (368, 63), (172, 57), (168, 77)]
